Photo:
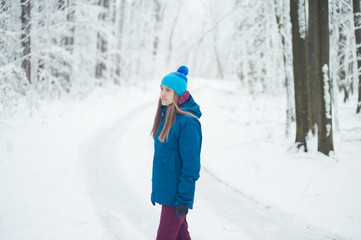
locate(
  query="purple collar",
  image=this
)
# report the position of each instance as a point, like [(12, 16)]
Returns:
[(184, 98)]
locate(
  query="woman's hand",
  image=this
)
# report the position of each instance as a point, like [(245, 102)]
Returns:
[(181, 210)]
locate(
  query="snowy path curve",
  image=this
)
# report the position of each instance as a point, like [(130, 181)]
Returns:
[(118, 166), (118, 207)]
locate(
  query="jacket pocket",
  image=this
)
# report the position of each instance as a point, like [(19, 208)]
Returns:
[(167, 173)]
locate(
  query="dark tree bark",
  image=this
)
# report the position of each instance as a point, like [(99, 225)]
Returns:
[(301, 84), (325, 135), (25, 37), (319, 73), (314, 67), (357, 20)]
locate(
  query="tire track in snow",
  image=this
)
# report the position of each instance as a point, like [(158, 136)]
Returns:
[(237, 212)]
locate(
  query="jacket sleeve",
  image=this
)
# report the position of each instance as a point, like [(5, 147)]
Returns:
[(190, 143)]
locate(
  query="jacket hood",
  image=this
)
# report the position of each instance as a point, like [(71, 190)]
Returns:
[(192, 107)]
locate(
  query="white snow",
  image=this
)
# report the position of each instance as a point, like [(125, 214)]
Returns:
[(302, 23), (82, 170), (326, 90)]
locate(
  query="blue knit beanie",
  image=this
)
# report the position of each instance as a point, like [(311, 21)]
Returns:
[(177, 81)]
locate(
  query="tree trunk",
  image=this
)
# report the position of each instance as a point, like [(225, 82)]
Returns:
[(63, 72), (320, 29), (102, 45), (69, 40), (357, 21), (25, 37), (218, 60), (119, 23), (287, 63), (341, 73), (157, 23), (170, 39), (301, 86), (314, 65)]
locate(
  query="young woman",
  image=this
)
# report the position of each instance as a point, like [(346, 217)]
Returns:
[(177, 147)]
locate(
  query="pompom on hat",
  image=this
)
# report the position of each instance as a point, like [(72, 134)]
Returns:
[(177, 81)]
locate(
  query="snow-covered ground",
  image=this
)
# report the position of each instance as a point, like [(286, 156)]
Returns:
[(82, 170)]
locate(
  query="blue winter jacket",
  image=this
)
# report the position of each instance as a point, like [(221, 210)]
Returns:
[(176, 162)]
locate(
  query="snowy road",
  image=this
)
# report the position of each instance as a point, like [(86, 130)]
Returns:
[(82, 170), (118, 164)]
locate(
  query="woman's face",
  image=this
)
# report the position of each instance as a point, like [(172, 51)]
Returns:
[(166, 95)]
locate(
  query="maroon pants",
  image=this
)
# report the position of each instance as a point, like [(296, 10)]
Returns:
[(172, 227)]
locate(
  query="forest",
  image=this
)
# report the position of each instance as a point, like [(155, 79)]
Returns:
[(308, 49)]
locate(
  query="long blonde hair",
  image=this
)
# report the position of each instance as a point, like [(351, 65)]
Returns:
[(172, 111)]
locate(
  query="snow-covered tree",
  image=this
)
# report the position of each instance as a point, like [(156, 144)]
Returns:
[(52, 48), (310, 38), (102, 43), (25, 37), (284, 28)]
